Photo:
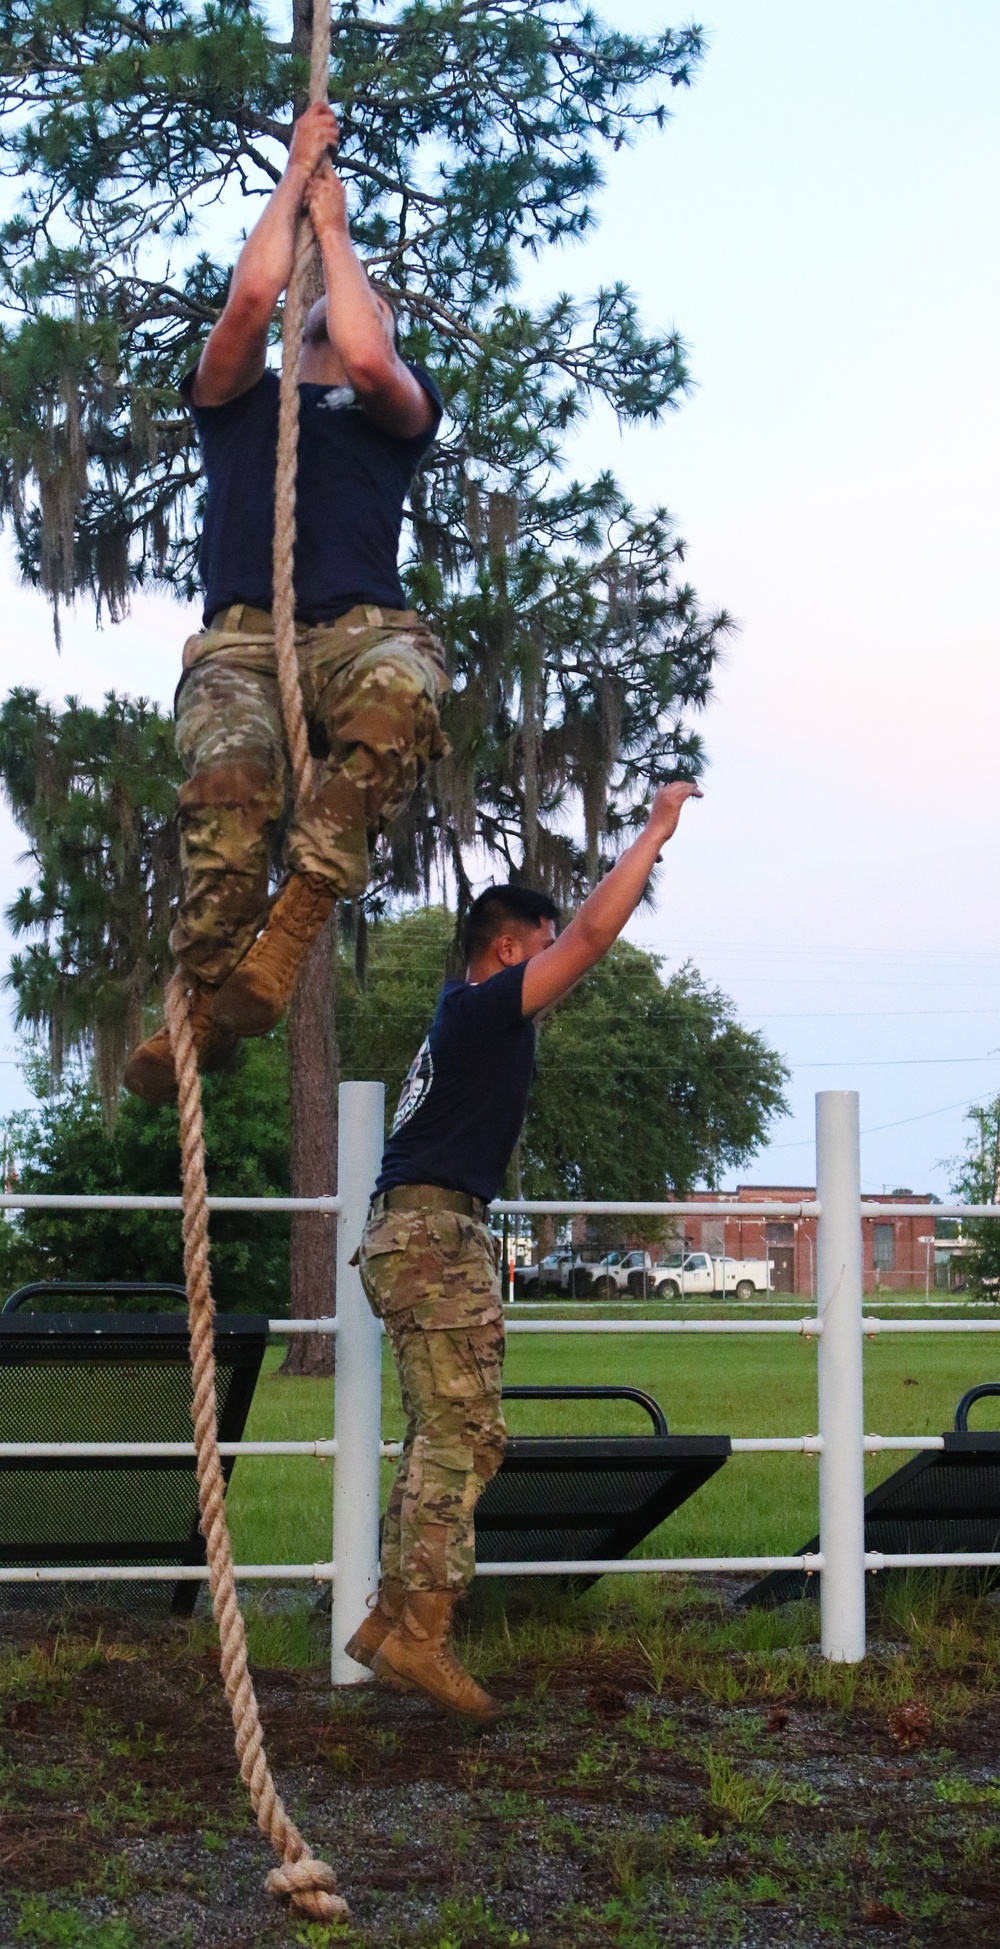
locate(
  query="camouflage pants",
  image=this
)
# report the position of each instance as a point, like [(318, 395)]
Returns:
[(371, 683), (432, 1277)]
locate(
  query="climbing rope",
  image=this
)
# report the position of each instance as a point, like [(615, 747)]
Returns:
[(310, 1884), (292, 710)]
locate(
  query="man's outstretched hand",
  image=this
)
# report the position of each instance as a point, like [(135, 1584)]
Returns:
[(550, 975), (666, 808), (314, 134)]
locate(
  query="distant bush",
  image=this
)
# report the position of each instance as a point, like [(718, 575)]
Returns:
[(63, 1145)]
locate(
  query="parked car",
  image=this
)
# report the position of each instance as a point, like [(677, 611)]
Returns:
[(544, 1279), (643, 1278), (616, 1273), (576, 1273), (702, 1273)]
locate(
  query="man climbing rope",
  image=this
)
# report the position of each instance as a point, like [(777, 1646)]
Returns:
[(371, 673), (428, 1261)]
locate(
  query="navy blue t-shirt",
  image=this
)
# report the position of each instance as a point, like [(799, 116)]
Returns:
[(352, 482), (464, 1099)]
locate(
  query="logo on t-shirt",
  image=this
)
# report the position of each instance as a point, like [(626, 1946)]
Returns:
[(419, 1078), (337, 398)]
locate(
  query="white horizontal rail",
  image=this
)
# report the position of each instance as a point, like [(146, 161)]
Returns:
[(533, 1307), (813, 1444), (161, 1573), (874, 1444), (870, 1209), (302, 1326), (629, 1208), (278, 1327), (607, 1566), (66, 1201), (171, 1450), (119, 1573), (776, 1444), (519, 1207), (872, 1324), (811, 1328), (178, 1451), (391, 1450), (933, 1560)]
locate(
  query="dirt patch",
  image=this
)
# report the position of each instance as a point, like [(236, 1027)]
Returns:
[(652, 1782)]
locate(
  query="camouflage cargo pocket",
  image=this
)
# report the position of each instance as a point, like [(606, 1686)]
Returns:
[(465, 1291), (467, 1365), (392, 1276)]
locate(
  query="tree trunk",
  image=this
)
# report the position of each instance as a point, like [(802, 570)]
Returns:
[(313, 1068), (529, 741)]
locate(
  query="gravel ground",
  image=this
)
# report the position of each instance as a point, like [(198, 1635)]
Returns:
[(600, 1811)]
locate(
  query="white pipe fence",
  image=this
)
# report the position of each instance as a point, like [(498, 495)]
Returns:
[(839, 1327)]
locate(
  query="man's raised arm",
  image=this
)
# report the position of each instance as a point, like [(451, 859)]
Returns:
[(236, 349), (597, 925), (360, 325)]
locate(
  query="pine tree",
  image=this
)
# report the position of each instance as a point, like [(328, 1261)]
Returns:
[(471, 135)]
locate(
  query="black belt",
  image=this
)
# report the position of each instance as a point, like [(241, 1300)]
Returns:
[(429, 1197)]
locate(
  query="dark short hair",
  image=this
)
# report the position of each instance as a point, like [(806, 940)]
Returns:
[(497, 907)]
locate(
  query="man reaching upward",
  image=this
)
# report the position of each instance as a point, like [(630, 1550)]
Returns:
[(372, 674), (428, 1261)]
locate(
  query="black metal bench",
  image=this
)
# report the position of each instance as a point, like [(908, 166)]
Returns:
[(589, 1496), (102, 1377), (943, 1500)]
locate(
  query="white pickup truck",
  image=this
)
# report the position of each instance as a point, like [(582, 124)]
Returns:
[(701, 1273), (607, 1277), (569, 1275)]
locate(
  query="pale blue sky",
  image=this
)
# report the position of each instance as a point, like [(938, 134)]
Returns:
[(819, 221)]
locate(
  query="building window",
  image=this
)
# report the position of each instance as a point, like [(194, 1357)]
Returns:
[(713, 1237), (779, 1234), (885, 1248)]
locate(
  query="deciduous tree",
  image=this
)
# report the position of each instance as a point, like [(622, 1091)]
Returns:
[(63, 1145), (93, 792)]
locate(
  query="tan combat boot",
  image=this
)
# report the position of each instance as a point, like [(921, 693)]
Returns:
[(257, 993), (418, 1656), (149, 1072), (383, 1614), (385, 1611)]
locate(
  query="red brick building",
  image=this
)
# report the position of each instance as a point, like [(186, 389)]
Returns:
[(896, 1250)]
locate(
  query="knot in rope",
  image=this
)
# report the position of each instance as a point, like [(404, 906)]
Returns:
[(310, 1886), (308, 1882)]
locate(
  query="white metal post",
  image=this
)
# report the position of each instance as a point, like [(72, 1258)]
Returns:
[(358, 1386), (841, 1376)]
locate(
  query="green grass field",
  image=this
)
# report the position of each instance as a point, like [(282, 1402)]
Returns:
[(281, 1508)]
